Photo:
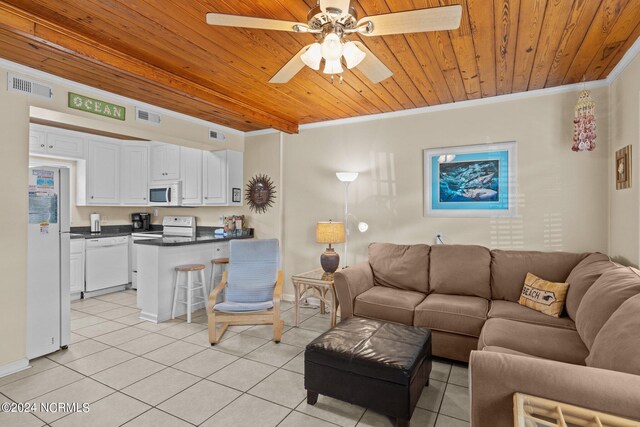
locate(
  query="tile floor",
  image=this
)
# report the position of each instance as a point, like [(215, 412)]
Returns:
[(136, 373)]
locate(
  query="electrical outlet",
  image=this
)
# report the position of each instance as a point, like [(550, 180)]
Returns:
[(220, 219), (155, 212), (439, 238)]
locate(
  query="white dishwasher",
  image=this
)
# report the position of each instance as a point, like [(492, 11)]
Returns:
[(107, 263)]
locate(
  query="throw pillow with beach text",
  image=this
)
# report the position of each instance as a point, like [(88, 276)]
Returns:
[(543, 296)]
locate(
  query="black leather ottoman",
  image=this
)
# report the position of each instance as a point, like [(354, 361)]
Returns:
[(379, 365)]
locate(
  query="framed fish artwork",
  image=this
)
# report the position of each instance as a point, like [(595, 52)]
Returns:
[(470, 181)]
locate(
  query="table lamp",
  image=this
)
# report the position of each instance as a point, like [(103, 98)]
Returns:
[(330, 232)]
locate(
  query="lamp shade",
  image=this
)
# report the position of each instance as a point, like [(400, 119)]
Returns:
[(352, 54), (347, 176), (330, 232), (312, 56)]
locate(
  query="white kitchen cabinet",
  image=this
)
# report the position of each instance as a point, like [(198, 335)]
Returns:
[(37, 142), (165, 162), (134, 174), (69, 146), (76, 271), (222, 172), (103, 173), (191, 176)]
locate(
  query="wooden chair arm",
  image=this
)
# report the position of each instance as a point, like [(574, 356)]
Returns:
[(277, 291), (213, 296)]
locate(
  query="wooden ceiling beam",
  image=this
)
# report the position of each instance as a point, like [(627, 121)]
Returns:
[(71, 43)]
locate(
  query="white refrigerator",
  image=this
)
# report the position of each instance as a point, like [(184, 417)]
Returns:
[(48, 281)]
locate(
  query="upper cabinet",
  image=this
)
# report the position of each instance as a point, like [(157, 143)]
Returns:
[(222, 173), (56, 144), (103, 173), (165, 162), (37, 142), (134, 172), (191, 176)]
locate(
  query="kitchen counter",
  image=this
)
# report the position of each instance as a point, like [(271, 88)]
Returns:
[(107, 231), (183, 241)]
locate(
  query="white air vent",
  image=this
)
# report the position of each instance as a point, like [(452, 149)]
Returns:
[(216, 135), (147, 116), (25, 85)]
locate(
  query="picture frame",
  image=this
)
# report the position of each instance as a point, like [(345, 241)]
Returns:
[(623, 168), (236, 195), (470, 181)]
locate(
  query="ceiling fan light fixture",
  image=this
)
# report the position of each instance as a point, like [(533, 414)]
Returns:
[(312, 56), (352, 54), (331, 47), (332, 66)]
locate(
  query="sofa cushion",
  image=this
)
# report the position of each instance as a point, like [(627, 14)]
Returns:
[(547, 342), (390, 304), (514, 311), (400, 266), (452, 313), (543, 296), (460, 270), (509, 269), (582, 277), (603, 298), (507, 351), (617, 345)]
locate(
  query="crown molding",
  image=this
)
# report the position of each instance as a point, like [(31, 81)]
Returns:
[(629, 56)]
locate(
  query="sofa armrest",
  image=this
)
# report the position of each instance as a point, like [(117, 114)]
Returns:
[(495, 377), (350, 283)]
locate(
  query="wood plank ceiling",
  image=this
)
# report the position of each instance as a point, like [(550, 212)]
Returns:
[(162, 52)]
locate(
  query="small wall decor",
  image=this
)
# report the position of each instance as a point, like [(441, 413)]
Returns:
[(470, 181), (623, 168), (96, 106), (260, 193), (584, 123), (236, 195)]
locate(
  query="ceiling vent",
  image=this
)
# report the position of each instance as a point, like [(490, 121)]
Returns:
[(25, 85), (147, 116), (216, 135)]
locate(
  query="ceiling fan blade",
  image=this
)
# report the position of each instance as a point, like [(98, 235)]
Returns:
[(371, 66), (290, 69), (225, 20), (414, 21), (342, 5)]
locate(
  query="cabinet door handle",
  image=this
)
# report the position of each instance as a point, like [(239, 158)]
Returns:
[(51, 146), (92, 197), (42, 145)]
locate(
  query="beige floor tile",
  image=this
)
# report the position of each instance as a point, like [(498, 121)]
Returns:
[(282, 387), (83, 322), (75, 338), (296, 364), (205, 363), (444, 421), (100, 329), (299, 337), (431, 396), (240, 344), (333, 410), (200, 401), (131, 319), (37, 365), (238, 328), (38, 384), (19, 419), (248, 411), (98, 308), (242, 374), (75, 314), (146, 344), (459, 375), (182, 330), (77, 351), (155, 327), (100, 361), (84, 391), (440, 370), (161, 386), (112, 411), (156, 418), (276, 354), (198, 313), (316, 323), (121, 298), (456, 402), (86, 302), (297, 419), (121, 336), (173, 353), (127, 373), (420, 418), (118, 312), (289, 316), (263, 331), (202, 338)]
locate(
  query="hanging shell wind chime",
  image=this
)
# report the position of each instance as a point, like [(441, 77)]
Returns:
[(584, 123)]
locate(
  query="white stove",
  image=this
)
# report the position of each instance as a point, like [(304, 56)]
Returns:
[(184, 226)]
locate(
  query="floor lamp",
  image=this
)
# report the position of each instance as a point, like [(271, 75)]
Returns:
[(346, 178)]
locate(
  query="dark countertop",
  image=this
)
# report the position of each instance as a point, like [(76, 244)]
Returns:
[(106, 231), (183, 241)]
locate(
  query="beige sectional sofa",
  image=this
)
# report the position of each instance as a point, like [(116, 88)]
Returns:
[(468, 296)]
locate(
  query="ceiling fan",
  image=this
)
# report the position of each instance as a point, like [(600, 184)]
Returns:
[(332, 22)]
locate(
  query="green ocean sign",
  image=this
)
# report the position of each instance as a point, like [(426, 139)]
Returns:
[(95, 106)]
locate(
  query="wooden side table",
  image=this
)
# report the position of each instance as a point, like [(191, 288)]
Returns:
[(320, 282)]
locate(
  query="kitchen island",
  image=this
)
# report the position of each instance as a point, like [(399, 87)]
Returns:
[(157, 259)]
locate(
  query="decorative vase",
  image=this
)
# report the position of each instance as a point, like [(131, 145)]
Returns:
[(330, 260)]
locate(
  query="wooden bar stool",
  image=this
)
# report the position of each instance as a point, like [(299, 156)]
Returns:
[(190, 286), (215, 262)]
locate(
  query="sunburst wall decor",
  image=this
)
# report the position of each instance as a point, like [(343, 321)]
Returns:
[(260, 193)]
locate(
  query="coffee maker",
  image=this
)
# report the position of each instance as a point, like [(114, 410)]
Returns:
[(141, 221)]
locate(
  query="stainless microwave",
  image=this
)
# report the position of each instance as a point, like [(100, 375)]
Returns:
[(166, 194)]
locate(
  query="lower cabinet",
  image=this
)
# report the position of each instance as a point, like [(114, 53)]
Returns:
[(76, 272)]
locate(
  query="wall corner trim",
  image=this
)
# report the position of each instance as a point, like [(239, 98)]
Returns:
[(13, 367), (629, 56)]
